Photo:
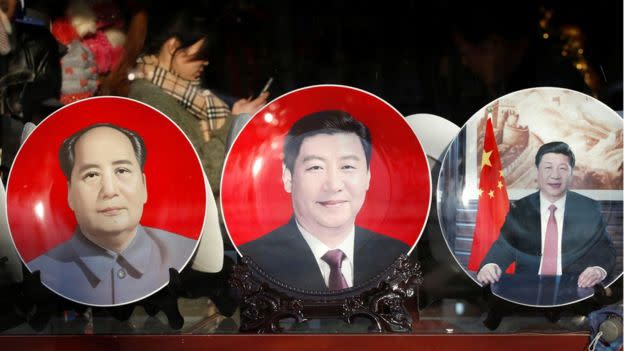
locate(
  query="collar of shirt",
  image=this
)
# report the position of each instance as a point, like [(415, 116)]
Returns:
[(99, 261), (545, 203), (319, 249)]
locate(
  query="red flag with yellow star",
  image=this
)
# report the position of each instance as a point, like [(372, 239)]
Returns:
[(493, 201)]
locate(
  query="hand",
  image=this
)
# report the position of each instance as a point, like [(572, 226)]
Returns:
[(591, 276), (248, 105), (489, 274)]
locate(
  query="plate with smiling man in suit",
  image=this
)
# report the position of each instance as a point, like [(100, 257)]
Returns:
[(539, 218), (332, 166)]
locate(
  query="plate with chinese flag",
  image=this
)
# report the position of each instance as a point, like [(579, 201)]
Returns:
[(532, 196)]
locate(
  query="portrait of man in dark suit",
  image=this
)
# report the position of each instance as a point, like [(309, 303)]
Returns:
[(111, 258), (554, 231), (326, 169)]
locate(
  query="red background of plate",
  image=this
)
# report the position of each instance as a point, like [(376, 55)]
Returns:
[(397, 202), (176, 192)]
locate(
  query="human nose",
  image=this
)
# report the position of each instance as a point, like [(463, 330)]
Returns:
[(334, 181), (109, 186)]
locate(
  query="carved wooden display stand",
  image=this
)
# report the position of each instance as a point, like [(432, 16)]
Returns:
[(265, 301)]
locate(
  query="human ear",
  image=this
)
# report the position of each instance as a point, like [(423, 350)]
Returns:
[(171, 45), (167, 51), (144, 189), (368, 177), (286, 179), (70, 201)]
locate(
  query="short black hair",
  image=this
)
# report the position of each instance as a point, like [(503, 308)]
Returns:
[(556, 147), (324, 122), (67, 152)]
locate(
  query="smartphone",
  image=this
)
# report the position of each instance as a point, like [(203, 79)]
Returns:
[(266, 86)]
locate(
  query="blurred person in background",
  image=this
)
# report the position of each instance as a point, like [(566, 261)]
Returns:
[(166, 76)]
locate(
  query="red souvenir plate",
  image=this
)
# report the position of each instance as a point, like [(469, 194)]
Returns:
[(103, 198), (353, 176)]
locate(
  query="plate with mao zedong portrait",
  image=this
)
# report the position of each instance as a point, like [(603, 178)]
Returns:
[(104, 197), (532, 201), (324, 188)]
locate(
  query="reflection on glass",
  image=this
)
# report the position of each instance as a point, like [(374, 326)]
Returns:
[(39, 210), (257, 166), (556, 233)]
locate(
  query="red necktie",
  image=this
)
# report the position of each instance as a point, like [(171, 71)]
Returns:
[(549, 260), (334, 259)]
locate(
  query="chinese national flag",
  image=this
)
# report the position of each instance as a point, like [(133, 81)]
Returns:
[(493, 201)]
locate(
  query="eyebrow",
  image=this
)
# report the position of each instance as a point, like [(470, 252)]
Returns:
[(313, 158), (319, 158), (548, 163), (351, 157), (93, 165)]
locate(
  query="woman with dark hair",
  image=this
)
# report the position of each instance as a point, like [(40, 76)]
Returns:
[(167, 76)]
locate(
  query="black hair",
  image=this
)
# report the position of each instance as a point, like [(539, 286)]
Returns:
[(67, 150), (557, 147), (324, 122), (186, 26)]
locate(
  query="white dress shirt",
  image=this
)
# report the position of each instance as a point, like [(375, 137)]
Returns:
[(319, 249), (559, 215)]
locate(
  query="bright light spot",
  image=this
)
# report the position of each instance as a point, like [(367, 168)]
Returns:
[(459, 308), (273, 145), (468, 195), (257, 166), (39, 210), (268, 117), (545, 35)]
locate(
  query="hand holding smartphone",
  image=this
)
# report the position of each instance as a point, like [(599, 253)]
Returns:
[(251, 104)]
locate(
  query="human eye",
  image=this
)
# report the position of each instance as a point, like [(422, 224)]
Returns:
[(122, 171), (90, 175), (348, 166), (313, 168)]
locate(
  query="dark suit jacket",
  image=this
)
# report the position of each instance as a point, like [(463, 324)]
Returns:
[(285, 255), (584, 241)]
